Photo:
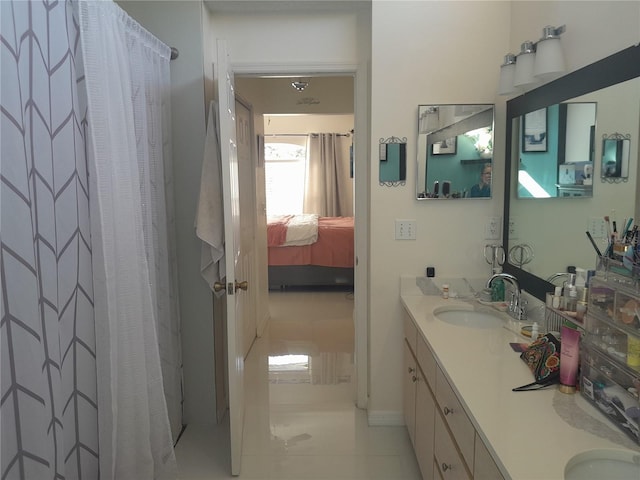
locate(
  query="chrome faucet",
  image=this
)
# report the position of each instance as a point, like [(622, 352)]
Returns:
[(516, 304)]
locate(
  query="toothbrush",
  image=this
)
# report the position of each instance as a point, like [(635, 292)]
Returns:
[(609, 249), (627, 226)]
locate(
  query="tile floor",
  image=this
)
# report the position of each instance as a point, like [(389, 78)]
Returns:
[(301, 421)]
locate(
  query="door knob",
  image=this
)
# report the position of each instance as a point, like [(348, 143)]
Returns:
[(242, 286), (219, 287)]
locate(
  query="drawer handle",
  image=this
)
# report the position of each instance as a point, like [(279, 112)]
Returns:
[(414, 378), (411, 369), (445, 467), (447, 410)]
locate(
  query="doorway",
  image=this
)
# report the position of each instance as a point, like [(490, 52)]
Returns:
[(326, 93)]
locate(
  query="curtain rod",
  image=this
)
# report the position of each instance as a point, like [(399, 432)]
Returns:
[(174, 53), (301, 134)]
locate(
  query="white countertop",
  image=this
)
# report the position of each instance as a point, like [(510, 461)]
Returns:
[(531, 434)]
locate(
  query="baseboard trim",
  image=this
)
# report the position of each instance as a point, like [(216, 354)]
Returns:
[(385, 419)]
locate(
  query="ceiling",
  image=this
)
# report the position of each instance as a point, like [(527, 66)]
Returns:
[(289, 6)]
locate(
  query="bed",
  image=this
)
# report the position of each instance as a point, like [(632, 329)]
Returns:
[(307, 253)]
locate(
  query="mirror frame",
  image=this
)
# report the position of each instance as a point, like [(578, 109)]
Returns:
[(617, 68)]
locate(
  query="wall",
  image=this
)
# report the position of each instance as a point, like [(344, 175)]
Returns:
[(180, 24), (436, 53)]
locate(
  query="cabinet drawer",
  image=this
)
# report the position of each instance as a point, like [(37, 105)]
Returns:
[(448, 461), (410, 332), (427, 362), (456, 418)]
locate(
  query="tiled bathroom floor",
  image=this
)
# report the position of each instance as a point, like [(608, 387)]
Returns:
[(301, 421)]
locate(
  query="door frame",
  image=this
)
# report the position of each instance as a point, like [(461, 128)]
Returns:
[(362, 181)]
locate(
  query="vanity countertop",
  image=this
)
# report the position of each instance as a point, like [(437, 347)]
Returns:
[(531, 434)]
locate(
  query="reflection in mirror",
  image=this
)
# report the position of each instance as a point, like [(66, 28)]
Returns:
[(556, 151), (615, 157), (555, 227), (455, 151)]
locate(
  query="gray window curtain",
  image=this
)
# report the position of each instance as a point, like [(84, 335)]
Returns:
[(328, 188), (47, 332)]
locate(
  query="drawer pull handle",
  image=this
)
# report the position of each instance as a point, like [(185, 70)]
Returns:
[(414, 378), (411, 369), (447, 410), (445, 467)]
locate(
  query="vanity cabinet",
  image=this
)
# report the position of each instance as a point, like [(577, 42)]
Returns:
[(484, 468), (448, 459), (445, 441), (419, 401)]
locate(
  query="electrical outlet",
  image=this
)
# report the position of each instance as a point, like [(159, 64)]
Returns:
[(597, 227), (405, 229), (492, 228), (513, 227)]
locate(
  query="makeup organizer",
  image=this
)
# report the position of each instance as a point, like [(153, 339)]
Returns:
[(610, 356)]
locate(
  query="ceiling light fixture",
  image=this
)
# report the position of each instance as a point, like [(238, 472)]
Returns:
[(299, 85)]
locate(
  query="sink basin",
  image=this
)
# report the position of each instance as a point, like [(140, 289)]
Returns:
[(467, 317), (600, 464)]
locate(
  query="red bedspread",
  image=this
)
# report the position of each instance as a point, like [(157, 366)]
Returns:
[(334, 247)]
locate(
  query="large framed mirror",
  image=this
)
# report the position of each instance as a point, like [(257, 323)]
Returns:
[(455, 151), (554, 228)]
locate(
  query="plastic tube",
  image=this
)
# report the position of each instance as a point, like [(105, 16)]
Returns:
[(569, 358)]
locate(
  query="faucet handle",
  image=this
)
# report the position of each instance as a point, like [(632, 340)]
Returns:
[(522, 311), (512, 302)]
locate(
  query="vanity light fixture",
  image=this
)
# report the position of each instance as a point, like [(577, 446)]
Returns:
[(537, 62), (549, 57), (507, 72), (523, 76)]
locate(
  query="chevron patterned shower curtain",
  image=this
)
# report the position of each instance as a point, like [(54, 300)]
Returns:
[(48, 391), (89, 331)]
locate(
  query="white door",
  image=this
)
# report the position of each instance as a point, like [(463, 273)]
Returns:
[(248, 221), (235, 284)]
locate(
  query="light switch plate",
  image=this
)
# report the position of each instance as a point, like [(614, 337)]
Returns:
[(405, 229), (493, 228), (513, 228), (597, 227)]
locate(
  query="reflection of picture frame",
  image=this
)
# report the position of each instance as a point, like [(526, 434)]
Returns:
[(534, 131), (445, 147)]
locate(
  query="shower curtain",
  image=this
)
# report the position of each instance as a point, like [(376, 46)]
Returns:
[(127, 73), (48, 398), (89, 329)]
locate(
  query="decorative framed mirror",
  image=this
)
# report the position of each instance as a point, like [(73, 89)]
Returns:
[(455, 151)]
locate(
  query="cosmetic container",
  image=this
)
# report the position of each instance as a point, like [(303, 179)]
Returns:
[(633, 351), (556, 297), (572, 300), (445, 290)]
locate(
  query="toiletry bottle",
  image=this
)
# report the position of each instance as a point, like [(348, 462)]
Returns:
[(566, 292), (556, 297), (572, 300), (534, 331), (497, 287), (445, 290)]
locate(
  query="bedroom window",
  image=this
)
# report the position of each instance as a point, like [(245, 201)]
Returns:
[(284, 165)]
